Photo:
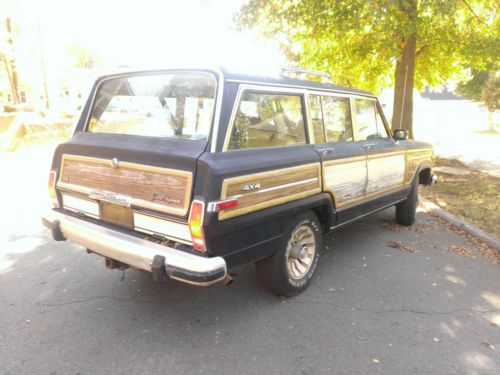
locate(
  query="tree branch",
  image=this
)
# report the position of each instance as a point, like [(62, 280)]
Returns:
[(474, 13)]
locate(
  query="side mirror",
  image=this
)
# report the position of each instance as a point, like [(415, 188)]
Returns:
[(400, 134)]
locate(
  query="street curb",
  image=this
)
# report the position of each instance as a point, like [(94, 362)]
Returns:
[(488, 239)]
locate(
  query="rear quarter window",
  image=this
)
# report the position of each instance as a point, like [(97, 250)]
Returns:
[(267, 120)]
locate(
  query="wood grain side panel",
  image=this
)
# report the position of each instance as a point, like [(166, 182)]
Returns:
[(345, 179), (413, 160), (273, 180), (276, 187), (158, 188), (385, 173)]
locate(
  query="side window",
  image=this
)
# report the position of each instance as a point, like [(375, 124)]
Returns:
[(266, 120), (317, 118), (338, 121), (381, 130), (366, 120)]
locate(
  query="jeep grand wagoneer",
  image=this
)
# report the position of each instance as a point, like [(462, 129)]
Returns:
[(186, 173)]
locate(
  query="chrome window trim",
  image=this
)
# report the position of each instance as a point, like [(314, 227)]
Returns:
[(354, 114), (299, 90), (309, 128), (215, 73), (260, 88), (351, 114), (340, 94), (308, 88), (384, 120), (213, 136)]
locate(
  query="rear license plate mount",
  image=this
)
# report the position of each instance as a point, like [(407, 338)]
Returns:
[(116, 214)]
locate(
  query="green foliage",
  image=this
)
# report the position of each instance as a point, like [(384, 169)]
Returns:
[(83, 57), (491, 92), (359, 41), (473, 88), (484, 87)]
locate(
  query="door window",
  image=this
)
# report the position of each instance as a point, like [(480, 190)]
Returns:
[(267, 120), (317, 118), (381, 130), (365, 119), (337, 115)]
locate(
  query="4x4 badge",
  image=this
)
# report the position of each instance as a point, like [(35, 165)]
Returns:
[(248, 187)]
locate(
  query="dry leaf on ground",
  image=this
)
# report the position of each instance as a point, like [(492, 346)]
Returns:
[(461, 251), (392, 227), (400, 246)]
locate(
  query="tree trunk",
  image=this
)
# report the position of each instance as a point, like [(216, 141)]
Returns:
[(491, 123), (10, 64), (13, 88), (402, 113)]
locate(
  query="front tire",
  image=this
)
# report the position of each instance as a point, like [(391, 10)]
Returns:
[(290, 269), (406, 211)]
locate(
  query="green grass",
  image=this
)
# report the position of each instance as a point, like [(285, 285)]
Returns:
[(474, 197)]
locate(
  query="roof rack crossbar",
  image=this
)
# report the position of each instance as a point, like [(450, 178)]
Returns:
[(293, 69)]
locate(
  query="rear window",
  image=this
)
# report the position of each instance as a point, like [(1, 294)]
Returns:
[(174, 105), (267, 120)]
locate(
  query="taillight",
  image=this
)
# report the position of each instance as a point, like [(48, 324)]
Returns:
[(196, 225), (52, 188), (224, 205)]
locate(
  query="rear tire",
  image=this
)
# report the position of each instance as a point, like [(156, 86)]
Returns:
[(290, 269), (406, 211)]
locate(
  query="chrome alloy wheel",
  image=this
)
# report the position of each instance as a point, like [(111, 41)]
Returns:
[(300, 252)]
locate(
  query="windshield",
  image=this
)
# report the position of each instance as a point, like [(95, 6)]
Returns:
[(174, 105)]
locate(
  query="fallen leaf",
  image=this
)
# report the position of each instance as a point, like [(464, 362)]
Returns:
[(460, 251), (488, 345), (435, 339), (376, 360), (400, 246), (420, 228), (392, 227)]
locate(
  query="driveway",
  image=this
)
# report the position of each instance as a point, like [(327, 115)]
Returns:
[(431, 304)]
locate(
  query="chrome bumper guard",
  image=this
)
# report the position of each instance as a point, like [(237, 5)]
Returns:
[(136, 252)]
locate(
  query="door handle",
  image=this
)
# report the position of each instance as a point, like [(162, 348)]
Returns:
[(326, 150), (368, 145)]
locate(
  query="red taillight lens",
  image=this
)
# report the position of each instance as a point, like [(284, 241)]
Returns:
[(52, 188), (224, 205), (196, 225)]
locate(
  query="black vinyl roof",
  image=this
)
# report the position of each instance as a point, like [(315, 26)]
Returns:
[(288, 81), (233, 76)]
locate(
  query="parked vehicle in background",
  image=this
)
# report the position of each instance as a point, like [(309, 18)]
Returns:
[(187, 173)]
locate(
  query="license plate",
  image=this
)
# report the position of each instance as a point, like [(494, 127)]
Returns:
[(115, 214)]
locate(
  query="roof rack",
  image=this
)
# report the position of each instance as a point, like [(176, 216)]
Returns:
[(297, 70)]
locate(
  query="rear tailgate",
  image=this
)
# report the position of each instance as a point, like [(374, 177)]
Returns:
[(142, 183)]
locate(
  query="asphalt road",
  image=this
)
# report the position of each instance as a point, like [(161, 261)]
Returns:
[(371, 309)]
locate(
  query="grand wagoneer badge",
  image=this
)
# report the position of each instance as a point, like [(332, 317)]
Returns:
[(107, 196)]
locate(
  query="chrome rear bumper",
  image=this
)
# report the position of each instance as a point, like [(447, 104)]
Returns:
[(136, 252)]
